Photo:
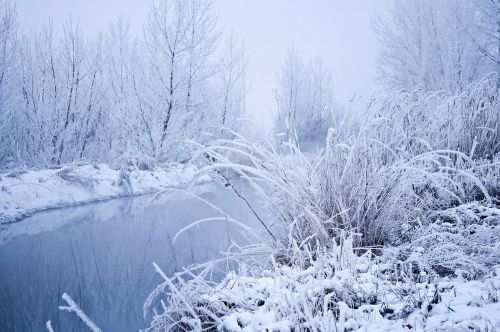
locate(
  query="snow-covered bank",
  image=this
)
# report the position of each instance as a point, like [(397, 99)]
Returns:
[(360, 301), (441, 306), (23, 193), (339, 291)]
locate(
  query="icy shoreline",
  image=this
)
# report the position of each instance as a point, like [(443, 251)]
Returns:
[(23, 193)]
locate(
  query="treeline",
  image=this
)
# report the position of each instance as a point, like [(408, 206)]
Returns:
[(440, 61), (433, 45), (304, 99), (439, 45), (65, 97)]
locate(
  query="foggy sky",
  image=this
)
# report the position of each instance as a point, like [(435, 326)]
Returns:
[(337, 31)]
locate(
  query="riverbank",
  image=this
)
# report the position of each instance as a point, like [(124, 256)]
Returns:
[(339, 291), (23, 193), (360, 295)]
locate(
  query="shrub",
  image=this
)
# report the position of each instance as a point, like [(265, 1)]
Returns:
[(414, 164)]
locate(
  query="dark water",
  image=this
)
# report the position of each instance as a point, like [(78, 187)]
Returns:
[(101, 255)]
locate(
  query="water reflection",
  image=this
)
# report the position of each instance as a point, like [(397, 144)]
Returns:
[(101, 254)]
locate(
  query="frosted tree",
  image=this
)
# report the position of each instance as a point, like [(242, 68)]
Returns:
[(71, 75), (61, 116), (77, 92), (8, 44), (303, 99), (486, 35), (436, 45), (40, 113), (232, 82), (181, 37), (288, 98), (164, 38), (93, 133), (130, 117), (8, 41), (201, 42)]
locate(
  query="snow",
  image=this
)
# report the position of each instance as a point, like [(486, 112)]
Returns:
[(340, 290), (411, 244), (23, 193), (317, 299), (394, 224)]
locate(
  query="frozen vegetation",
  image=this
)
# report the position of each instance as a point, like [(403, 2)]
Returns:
[(392, 224)]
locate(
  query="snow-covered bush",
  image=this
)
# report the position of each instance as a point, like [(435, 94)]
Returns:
[(464, 241), (197, 304), (404, 165), (468, 122), (489, 175), (416, 154), (339, 291)]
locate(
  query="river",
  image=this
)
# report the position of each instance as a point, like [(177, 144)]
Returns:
[(101, 254)]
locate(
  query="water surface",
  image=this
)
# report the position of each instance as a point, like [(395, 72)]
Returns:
[(101, 254)]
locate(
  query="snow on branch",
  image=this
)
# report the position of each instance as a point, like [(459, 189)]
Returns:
[(74, 308)]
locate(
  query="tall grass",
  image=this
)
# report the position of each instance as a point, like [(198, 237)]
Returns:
[(412, 156)]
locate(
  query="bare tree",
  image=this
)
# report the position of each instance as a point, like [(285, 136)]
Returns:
[(201, 35), (487, 33), (304, 99), (8, 49), (435, 44), (181, 38), (233, 82)]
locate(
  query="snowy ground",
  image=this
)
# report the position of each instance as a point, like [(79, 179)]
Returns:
[(23, 193), (360, 302), (445, 277), (338, 292)]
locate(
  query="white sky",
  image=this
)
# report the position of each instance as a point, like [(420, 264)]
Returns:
[(337, 31)]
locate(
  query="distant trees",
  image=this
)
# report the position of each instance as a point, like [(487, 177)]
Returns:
[(8, 46), (452, 47), (487, 38), (440, 45), (66, 97), (304, 99), (232, 83)]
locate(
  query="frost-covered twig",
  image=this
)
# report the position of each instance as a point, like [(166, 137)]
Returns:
[(48, 325), (73, 307)]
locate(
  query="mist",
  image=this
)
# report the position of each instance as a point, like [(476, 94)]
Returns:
[(249, 166)]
